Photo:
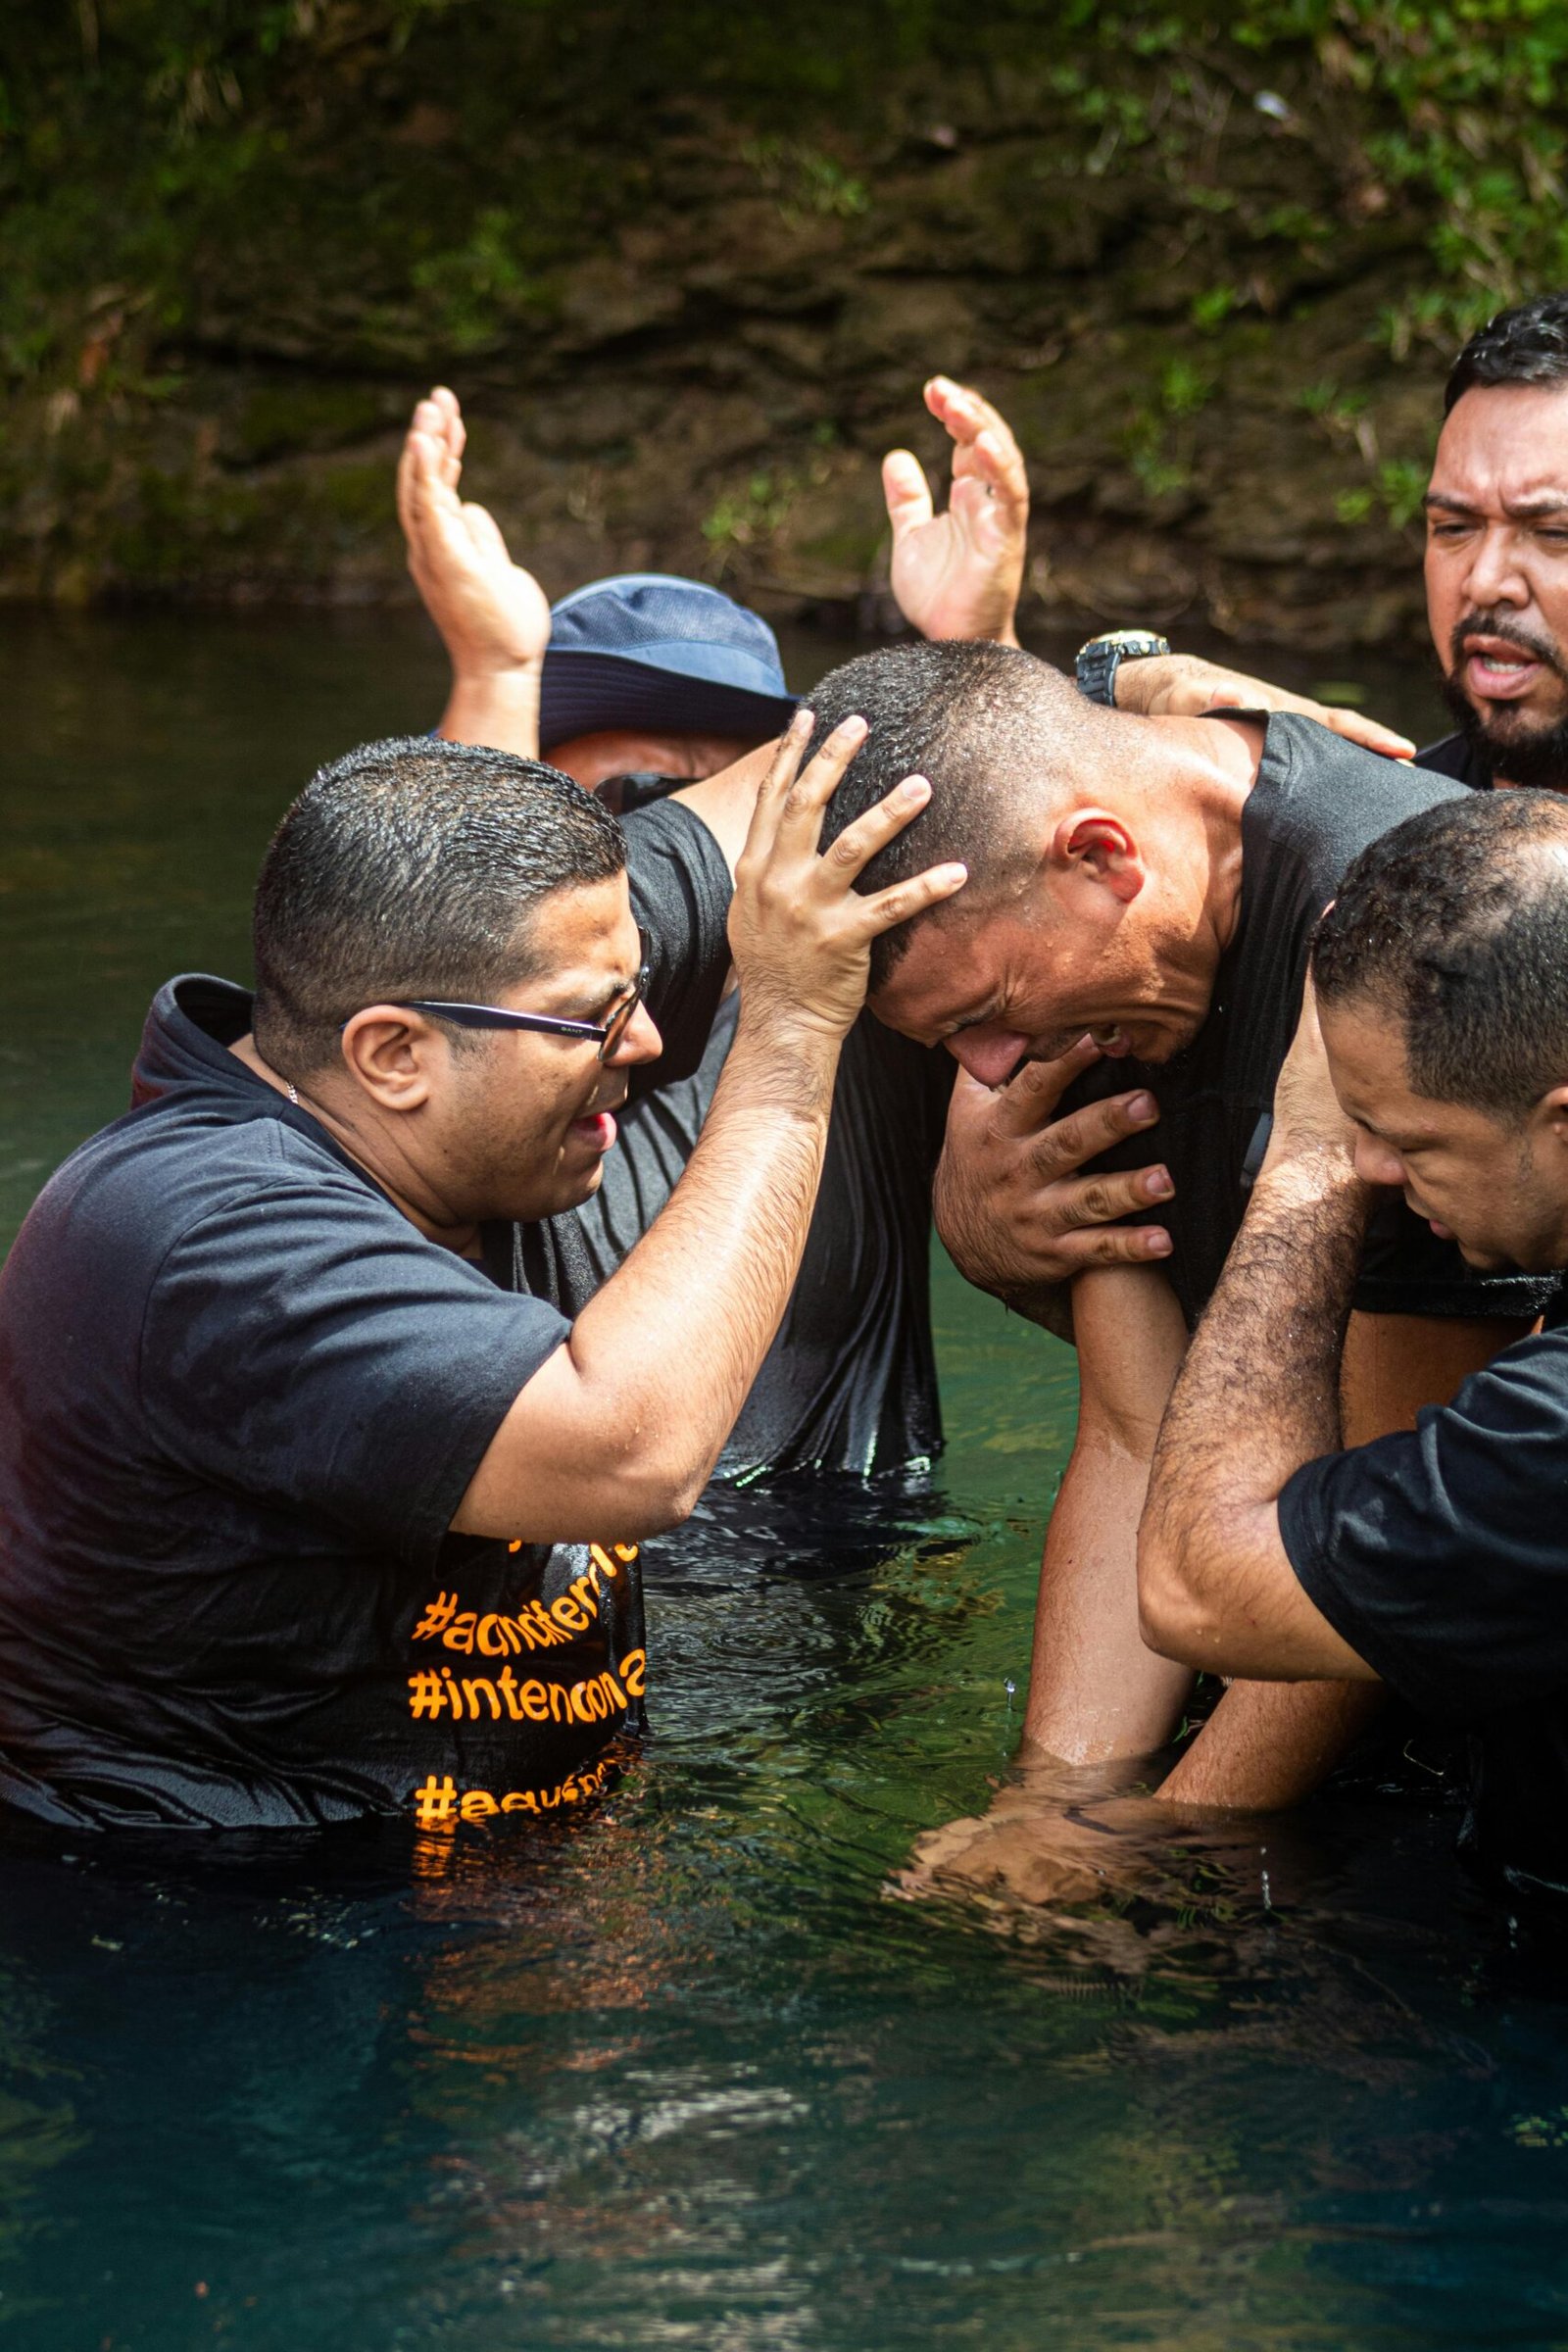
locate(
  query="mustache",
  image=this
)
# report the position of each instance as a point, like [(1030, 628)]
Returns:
[(1509, 631)]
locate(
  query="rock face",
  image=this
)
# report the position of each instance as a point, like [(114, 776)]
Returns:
[(683, 337)]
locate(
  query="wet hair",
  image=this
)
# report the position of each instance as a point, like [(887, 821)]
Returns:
[(1455, 926), (411, 868), (986, 725), (1526, 345)]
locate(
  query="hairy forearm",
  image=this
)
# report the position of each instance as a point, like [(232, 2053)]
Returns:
[(1259, 1392), (1269, 1745), (496, 707)]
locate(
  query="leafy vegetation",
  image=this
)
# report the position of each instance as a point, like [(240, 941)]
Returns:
[(374, 191)]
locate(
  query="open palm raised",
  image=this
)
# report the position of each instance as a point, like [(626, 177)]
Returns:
[(958, 574)]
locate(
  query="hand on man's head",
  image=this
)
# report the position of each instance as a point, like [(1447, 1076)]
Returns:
[(958, 574), (1186, 686), (799, 931)]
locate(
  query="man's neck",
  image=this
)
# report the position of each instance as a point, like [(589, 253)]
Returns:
[(1214, 763), (385, 1164)]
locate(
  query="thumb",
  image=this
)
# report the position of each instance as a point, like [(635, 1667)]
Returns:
[(907, 491)]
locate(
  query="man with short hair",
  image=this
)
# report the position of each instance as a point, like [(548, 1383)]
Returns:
[(661, 693), (308, 1510), (1136, 924), (1435, 1558)]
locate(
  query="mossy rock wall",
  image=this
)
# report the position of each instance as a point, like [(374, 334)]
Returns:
[(688, 271)]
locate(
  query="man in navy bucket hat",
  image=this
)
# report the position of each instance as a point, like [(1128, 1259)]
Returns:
[(663, 694), (649, 652)]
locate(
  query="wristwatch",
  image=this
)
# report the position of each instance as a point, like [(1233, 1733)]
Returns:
[(1099, 660)]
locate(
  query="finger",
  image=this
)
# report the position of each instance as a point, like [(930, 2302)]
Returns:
[(858, 843), (1114, 1246), (1102, 1200), (954, 404), (1030, 1097), (434, 504), (452, 435), (425, 505), (1368, 732), (1065, 1144), (887, 909), (907, 491), (970, 418), (782, 769), (799, 820), (424, 422), (1001, 462)]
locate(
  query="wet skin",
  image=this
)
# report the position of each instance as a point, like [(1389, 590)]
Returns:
[(1015, 985)]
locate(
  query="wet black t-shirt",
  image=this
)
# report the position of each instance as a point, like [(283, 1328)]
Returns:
[(1442, 1557), (1317, 803), (241, 1397), (850, 1383)]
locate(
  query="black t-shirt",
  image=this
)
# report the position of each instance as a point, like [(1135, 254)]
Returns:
[(1455, 756), (850, 1383), (241, 1397), (1317, 803), (1442, 1557)]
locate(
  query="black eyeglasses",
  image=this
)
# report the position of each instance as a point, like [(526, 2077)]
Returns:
[(607, 1035)]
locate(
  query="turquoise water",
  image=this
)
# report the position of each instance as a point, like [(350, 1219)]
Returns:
[(691, 2077)]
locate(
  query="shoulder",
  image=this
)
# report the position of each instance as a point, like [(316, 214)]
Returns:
[(1328, 799), (134, 1192), (668, 833)]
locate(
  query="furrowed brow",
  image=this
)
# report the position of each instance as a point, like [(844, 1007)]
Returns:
[(1519, 509)]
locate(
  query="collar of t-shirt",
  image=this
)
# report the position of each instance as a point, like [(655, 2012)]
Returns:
[(185, 1060)]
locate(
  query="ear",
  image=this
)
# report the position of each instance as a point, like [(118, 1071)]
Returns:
[(1552, 1114), (394, 1057), (1101, 846)]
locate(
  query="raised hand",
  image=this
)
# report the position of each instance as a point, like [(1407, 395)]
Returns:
[(1013, 1212), (800, 932), (1185, 686), (960, 574), (493, 616)]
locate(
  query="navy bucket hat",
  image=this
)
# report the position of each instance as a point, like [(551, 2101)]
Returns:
[(649, 650)]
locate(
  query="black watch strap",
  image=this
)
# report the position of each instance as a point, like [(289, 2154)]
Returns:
[(1100, 660)]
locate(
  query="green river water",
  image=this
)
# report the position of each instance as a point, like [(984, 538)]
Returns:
[(689, 2076)]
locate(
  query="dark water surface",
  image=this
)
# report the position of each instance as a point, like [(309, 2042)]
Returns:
[(690, 2077)]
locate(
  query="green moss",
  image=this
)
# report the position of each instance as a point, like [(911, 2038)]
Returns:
[(307, 414)]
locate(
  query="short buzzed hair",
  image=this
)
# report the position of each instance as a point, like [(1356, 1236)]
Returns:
[(411, 868), (1455, 925), (980, 721)]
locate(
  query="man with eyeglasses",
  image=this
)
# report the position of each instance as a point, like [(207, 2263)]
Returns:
[(308, 1509)]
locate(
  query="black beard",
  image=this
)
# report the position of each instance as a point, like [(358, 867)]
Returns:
[(1539, 761)]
